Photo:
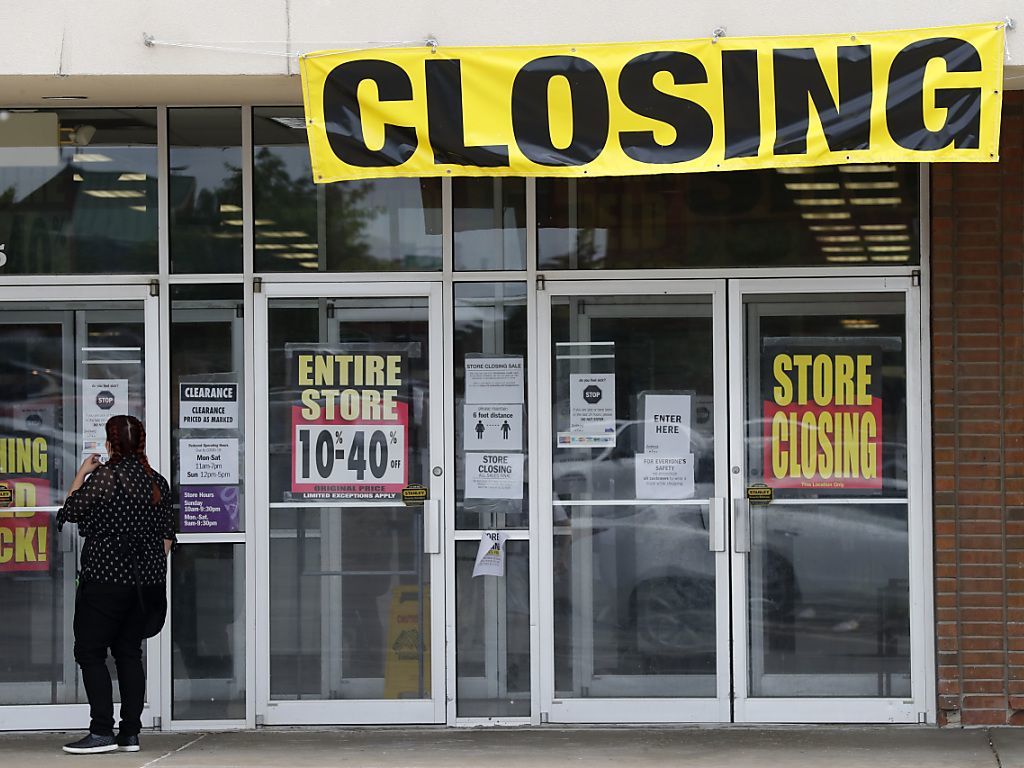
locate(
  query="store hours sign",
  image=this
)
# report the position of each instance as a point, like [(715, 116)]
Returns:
[(349, 424)]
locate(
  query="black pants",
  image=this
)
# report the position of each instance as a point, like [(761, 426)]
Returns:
[(109, 616)]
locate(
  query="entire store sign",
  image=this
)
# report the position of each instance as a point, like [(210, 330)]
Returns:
[(658, 107), (822, 413), (350, 424)]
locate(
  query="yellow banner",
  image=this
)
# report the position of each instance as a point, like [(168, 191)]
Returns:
[(659, 107)]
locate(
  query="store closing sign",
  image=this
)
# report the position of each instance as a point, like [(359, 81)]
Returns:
[(350, 424), (822, 414), (660, 107)]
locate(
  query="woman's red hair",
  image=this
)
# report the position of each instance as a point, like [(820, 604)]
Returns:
[(127, 437)]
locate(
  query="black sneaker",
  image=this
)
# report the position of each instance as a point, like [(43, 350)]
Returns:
[(92, 744), (128, 743)]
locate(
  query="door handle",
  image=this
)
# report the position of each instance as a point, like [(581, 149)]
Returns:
[(741, 516), (431, 525), (716, 528)]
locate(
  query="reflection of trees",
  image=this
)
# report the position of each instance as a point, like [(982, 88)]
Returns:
[(291, 203)]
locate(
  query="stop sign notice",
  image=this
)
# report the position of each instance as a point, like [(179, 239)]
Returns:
[(592, 394)]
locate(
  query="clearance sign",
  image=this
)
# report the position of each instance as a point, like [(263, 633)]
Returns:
[(822, 414), (661, 107)]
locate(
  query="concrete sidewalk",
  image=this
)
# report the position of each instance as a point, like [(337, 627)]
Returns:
[(786, 747)]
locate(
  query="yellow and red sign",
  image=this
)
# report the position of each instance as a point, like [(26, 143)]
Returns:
[(24, 541), (678, 106), (822, 416)]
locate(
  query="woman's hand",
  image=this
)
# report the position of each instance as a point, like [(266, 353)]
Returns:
[(91, 464)]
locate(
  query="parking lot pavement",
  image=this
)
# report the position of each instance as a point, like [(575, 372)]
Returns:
[(700, 747)]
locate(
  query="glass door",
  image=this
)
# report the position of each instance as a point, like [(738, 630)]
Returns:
[(826, 475), (73, 357), (634, 583), (350, 401)]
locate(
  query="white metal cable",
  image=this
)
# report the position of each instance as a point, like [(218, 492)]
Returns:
[(151, 42)]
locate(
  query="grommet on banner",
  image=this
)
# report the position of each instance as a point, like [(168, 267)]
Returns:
[(717, 34), (1009, 24), (147, 39), (432, 43)]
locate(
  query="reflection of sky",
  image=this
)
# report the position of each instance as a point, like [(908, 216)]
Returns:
[(207, 165), (27, 180)]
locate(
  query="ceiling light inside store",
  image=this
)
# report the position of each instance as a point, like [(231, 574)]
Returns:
[(855, 168), (271, 247), (819, 201), (132, 177), (797, 171), (811, 186), (110, 193), (310, 264), (845, 259), (264, 222), (306, 246), (888, 248), (891, 257), (233, 222), (838, 238), (871, 184), (139, 208), (842, 249), (856, 322), (298, 123), (887, 238), (227, 235), (229, 208), (77, 177), (883, 227), (90, 157), (824, 215), (831, 227), (292, 233), (876, 200)]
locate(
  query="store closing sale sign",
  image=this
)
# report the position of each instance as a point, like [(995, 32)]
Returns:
[(822, 413), (678, 106), (350, 424)]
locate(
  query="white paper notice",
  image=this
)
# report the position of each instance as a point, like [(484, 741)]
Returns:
[(494, 476), (664, 477), (101, 399), (208, 405), (490, 556), (592, 406), (494, 379), (493, 428), (666, 425), (209, 462)]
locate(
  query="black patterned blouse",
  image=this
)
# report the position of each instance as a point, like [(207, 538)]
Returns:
[(115, 514)]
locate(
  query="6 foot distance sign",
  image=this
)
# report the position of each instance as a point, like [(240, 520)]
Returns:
[(350, 460)]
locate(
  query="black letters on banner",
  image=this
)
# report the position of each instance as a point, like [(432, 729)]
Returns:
[(446, 119), (904, 110), (344, 121), (531, 119), (741, 105), (694, 129), (798, 75)]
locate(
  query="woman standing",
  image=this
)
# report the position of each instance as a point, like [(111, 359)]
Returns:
[(123, 510)]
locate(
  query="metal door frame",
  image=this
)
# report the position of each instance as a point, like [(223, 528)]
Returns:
[(631, 710), (74, 716), (354, 711)]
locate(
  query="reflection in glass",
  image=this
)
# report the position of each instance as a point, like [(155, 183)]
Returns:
[(634, 601), (489, 219), (206, 349), (356, 226), (829, 600), (648, 345), (205, 189), (49, 349), (208, 624), (835, 215), (493, 631), (349, 604), (78, 191), (490, 320)]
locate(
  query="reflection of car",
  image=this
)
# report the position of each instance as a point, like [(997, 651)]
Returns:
[(819, 576)]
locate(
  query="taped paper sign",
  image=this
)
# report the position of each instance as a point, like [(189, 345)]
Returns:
[(493, 427), (490, 556), (664, 477), (494, 379), (494, 476)]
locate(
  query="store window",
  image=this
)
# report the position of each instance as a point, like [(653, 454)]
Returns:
[(385, 225), (207, 424), (797, 217), (205, 189), (78, 191), (489, 222)]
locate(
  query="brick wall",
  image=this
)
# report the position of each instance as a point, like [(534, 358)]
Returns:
[(977, 294)]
